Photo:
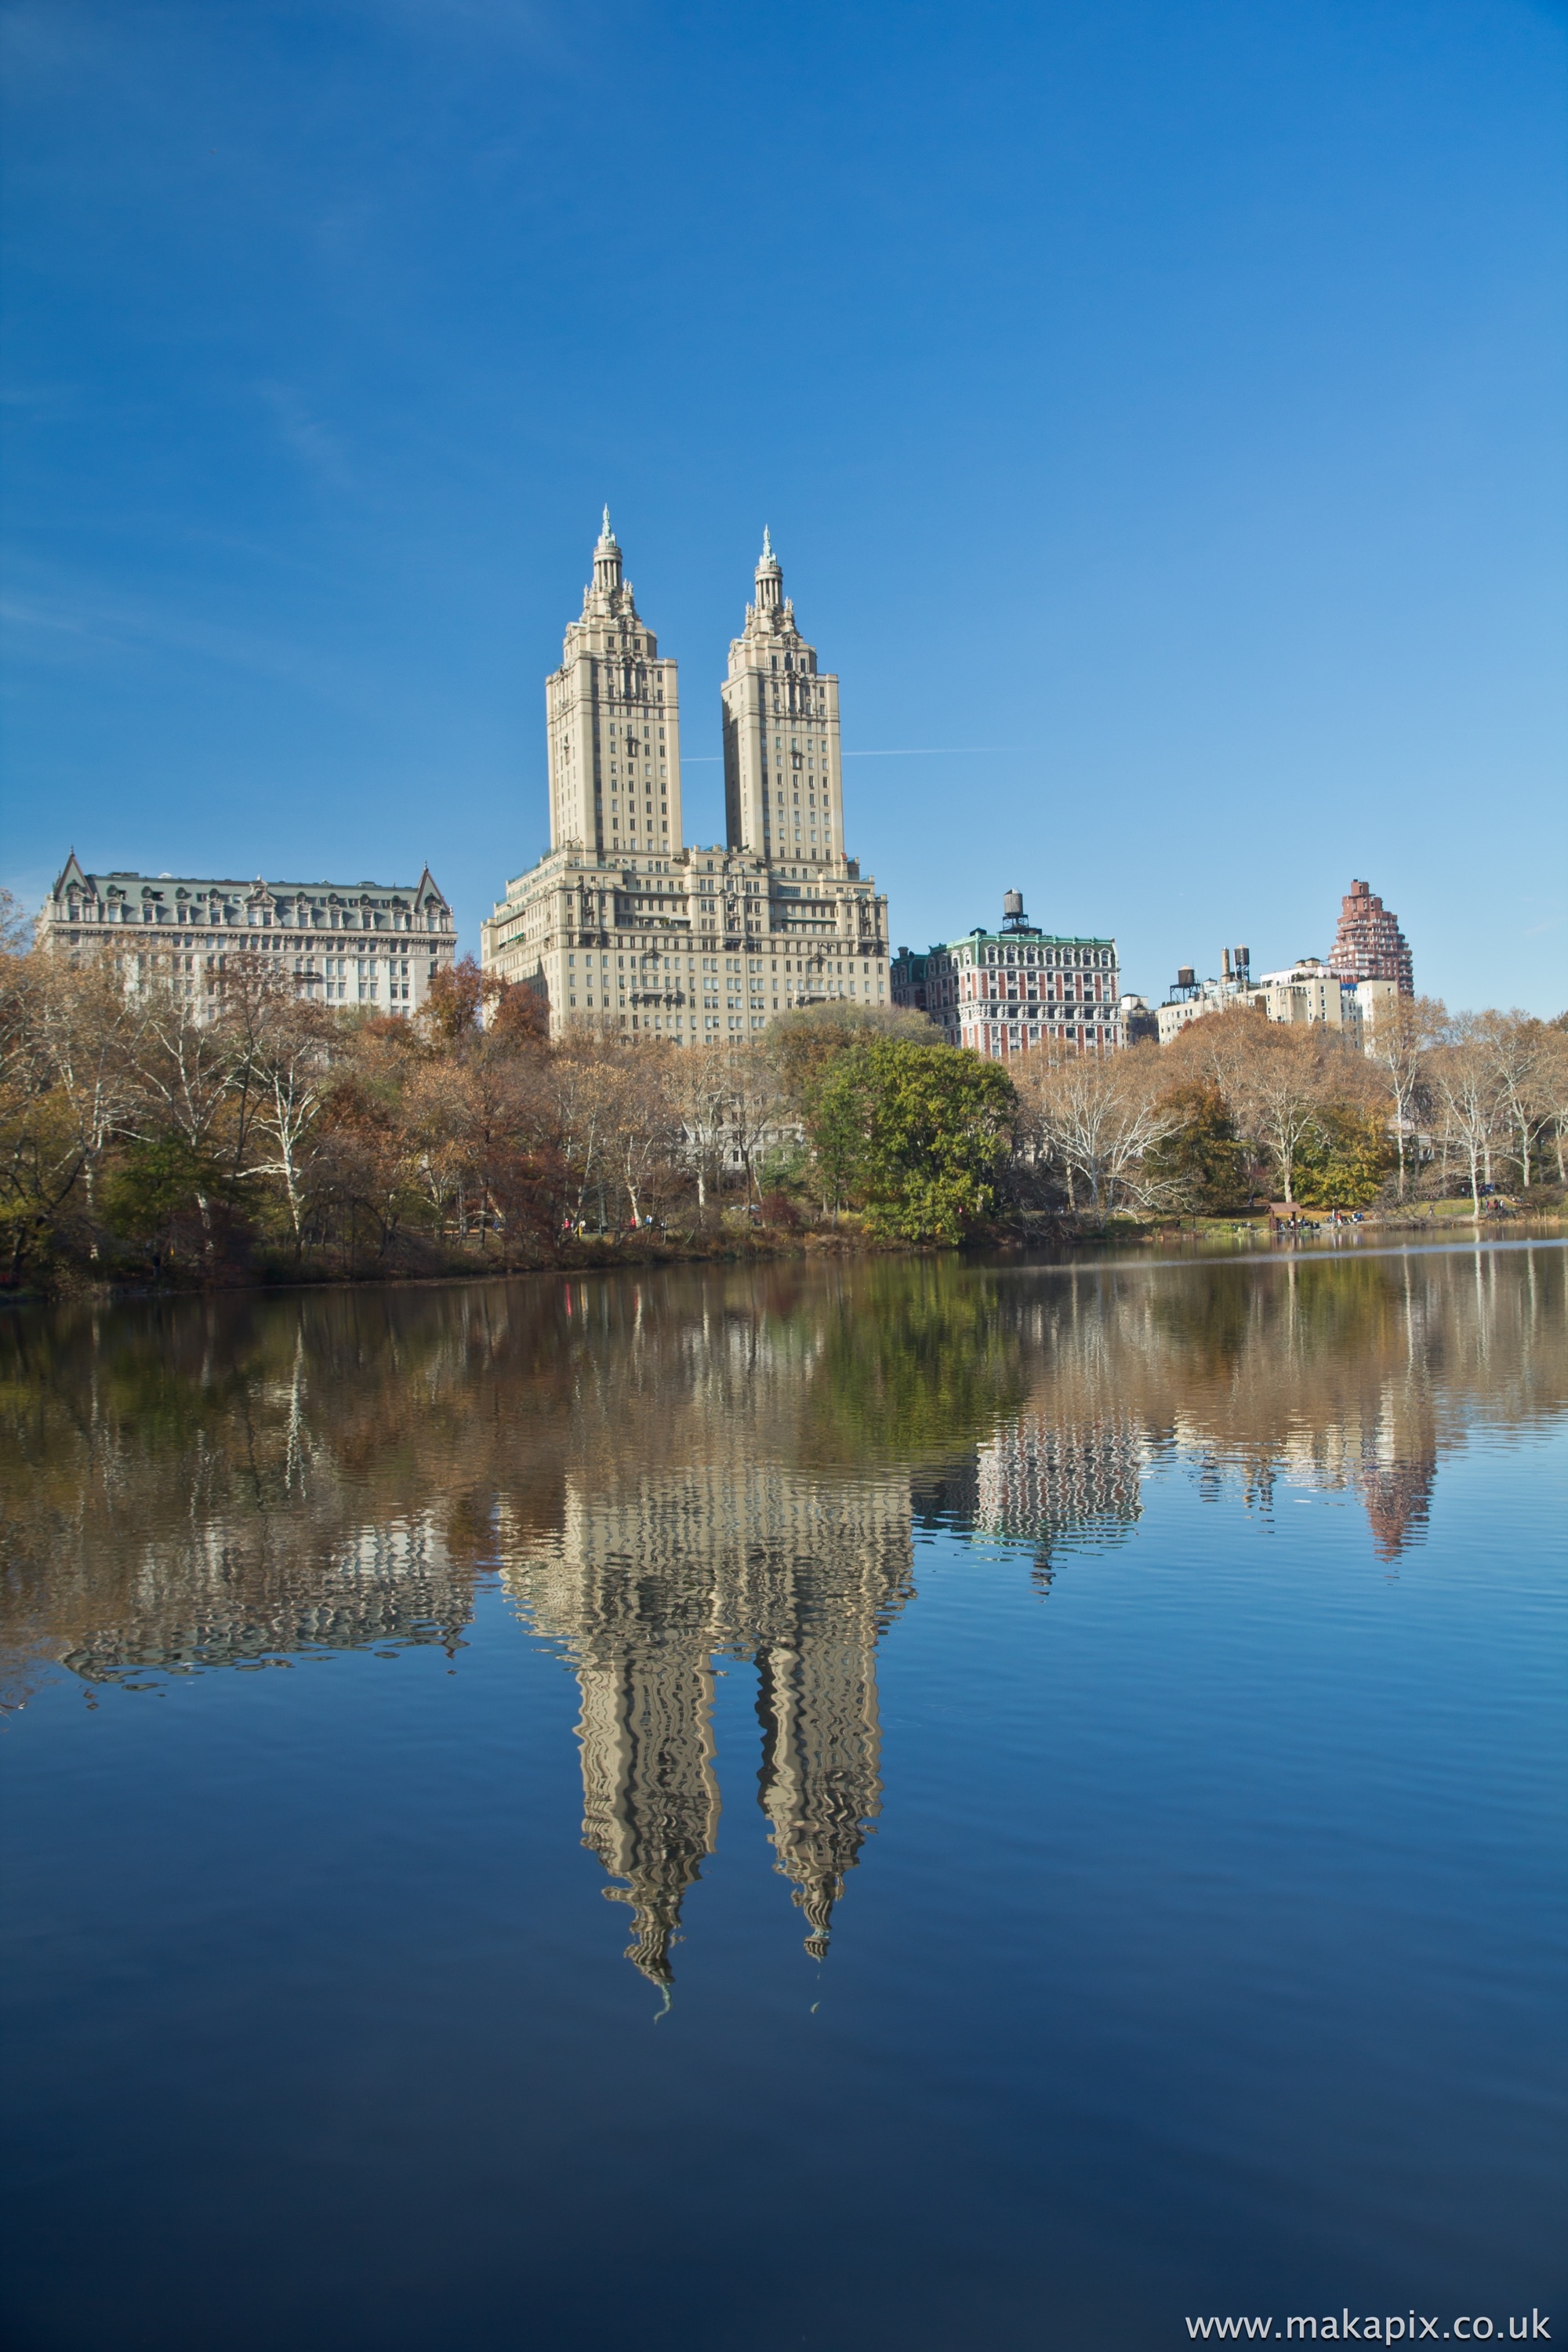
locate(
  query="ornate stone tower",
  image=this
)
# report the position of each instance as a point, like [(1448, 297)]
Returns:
[(613, 726), (784, 791)]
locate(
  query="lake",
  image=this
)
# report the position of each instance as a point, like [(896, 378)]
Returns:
[(904, 1803)]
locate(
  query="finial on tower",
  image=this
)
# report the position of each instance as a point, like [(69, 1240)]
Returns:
[(606, 537), (769, 579)]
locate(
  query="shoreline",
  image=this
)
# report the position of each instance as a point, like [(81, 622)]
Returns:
[(1220, 1236)]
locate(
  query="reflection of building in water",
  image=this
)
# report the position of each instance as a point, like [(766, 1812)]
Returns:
[(650, 1795), (222, 1602), (1046, 1480), (741, 1559), (1399, 1496), (1382, 1445), (1397, 1470)]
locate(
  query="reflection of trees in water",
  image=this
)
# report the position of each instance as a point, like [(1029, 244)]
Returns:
[(714, 1463)]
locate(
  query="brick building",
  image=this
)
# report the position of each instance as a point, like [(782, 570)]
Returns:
[(1369, 943), (1001, 992)]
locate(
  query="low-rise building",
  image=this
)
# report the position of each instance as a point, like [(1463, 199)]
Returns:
[(343, 943), (1004, 992), (1308, 990), (1140, 1025), (1191, 998)]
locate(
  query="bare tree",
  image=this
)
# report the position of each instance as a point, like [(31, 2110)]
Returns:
[(755, 1105), (644, 1124), (701, 1087), (581, 1086), (1398, 1047), (1099, 1119), (88, 1025), (1554, 1083), (288, 1069), (42, 1147), (1517, 1045), (1277, 1080), (1463, 1079)]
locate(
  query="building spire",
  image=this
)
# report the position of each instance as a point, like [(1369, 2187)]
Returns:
[(770, 579), (607, 560)]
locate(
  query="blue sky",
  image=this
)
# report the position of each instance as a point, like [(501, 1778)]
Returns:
[(1158, 409)]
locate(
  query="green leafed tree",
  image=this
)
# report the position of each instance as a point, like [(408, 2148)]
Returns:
[(915, 1134), (1342, 1159), (1200, 1164)]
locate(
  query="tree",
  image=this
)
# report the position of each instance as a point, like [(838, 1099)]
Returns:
[(457, 1002), (643, 1122), (290, 1070), (1516, 1044), (1282, 1080), (87, 1027), (1554, 1085), (1342, 1161), (1463, 1079), (918, 1132), (802, 1043), (1200, 1163), (42, 1147), (1399, 1046), (699, 1094), (1098, 1118)]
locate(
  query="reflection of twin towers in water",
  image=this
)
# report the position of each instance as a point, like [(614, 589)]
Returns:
[(642, 1588), (644, 1585)]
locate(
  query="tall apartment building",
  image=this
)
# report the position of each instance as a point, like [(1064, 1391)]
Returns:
[(621, 926), (784, 784), (369, 943), (1001, 992), (1369, 943)]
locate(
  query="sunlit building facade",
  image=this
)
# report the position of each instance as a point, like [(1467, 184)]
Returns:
[(1006, 992), (372, 944), (620, 925)]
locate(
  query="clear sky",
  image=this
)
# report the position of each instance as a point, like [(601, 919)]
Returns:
[(1158, 406)]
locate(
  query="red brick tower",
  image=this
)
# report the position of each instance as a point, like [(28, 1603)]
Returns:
[(1369, 943)]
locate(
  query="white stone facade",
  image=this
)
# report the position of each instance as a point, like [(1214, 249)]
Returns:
[(371, 944), (1306, 991), (784, 784), (621, 926), (613, 725)]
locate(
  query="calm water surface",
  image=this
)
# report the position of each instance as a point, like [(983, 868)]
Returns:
[(903, 1806)]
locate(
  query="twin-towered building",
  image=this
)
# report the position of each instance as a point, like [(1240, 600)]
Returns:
[(621, 926)]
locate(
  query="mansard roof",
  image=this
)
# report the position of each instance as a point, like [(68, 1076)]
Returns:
[(423, 894)]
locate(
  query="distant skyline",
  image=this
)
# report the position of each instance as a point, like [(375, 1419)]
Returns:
[(1157, 411)]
